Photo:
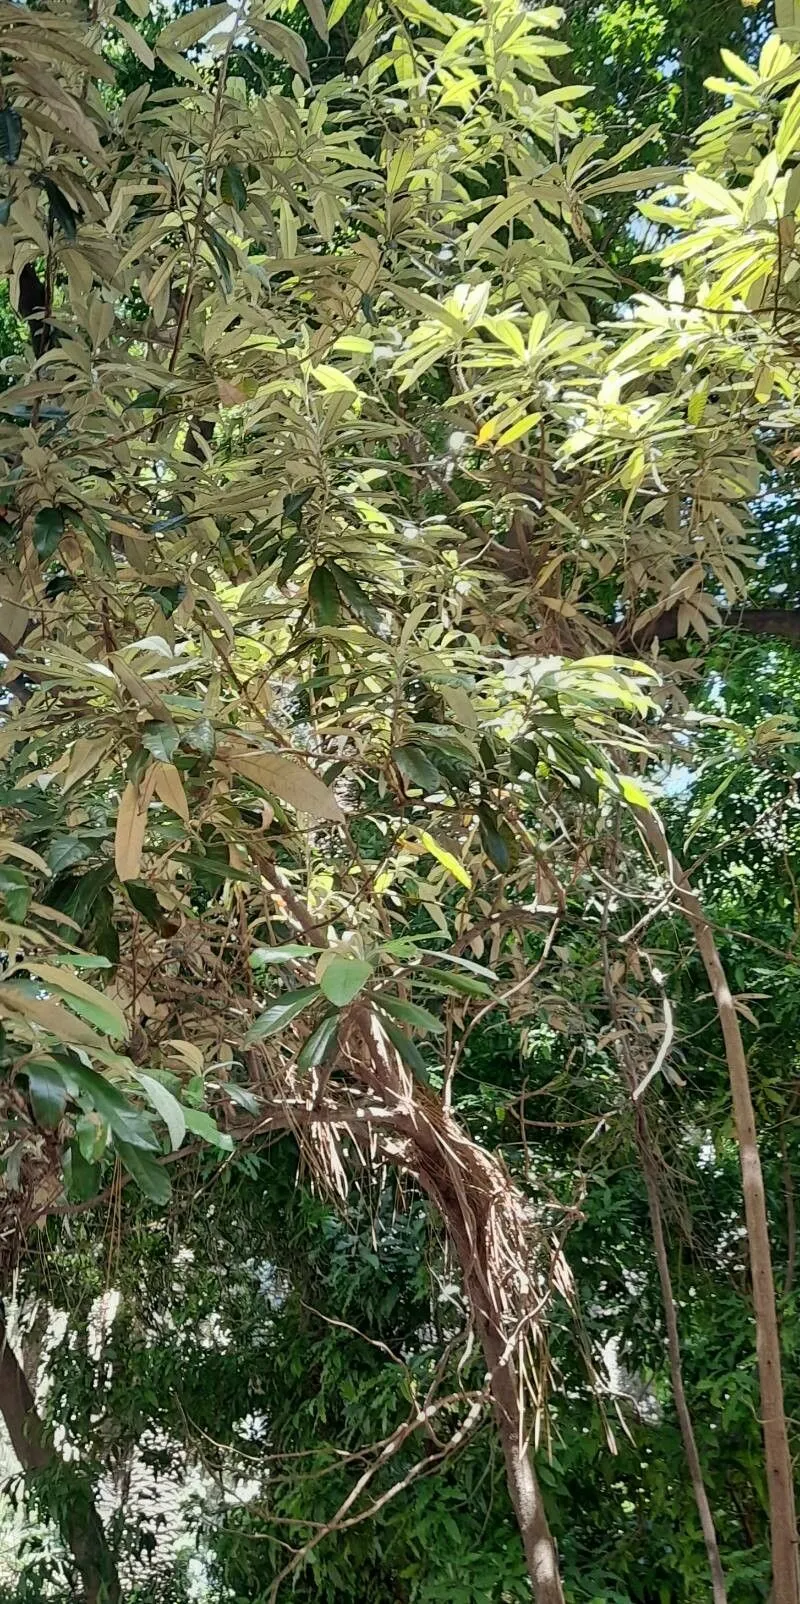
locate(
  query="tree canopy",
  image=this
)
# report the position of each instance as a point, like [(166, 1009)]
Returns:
[(398, 854)]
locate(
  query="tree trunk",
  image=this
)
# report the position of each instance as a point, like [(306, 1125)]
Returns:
[(783, 622), (523, 1485), (481, 1208), (780, 1488), (80, 1524)]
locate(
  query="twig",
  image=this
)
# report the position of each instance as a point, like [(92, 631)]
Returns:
[(342, 1520)]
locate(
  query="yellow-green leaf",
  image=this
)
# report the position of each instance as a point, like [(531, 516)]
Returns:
[(633, 793), (447, 860), (518, 429), (99, 1009)]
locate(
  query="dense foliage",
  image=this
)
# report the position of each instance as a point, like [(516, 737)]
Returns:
[(397, 524)]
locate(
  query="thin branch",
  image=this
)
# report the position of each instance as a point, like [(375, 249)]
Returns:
[(343, 1520)]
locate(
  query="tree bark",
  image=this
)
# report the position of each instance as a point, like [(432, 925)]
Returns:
[(80, 1524), (523, 1485), (488, 1229), (783, 622), (780, 1487)]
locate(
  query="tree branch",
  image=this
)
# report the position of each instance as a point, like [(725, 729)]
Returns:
[(783, 622)]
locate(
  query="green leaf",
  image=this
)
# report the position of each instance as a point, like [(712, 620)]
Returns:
[(243, 1098), (81, 1179), (61, 211), (16, 892), (499, 216), (294, 503), (161, 741), (86, 1000), (323, 596), (104, 1018), (410, 1013), (404, 947), (84, 893), (222, 254), (57, 584), (47, 1093), (127, 1124), (168, 597), (167, 1106), (79, 960), (105, 934), (10, 135), (343, 978), (48, 527), (150, 1177), (316, 11), (201, 1124), (280, 1014), (65, 851), (442, 980), (407, 1049), (284, 43), (320, 1044), (192, 26), (466, 963), (495, 844), (92, 1135), (200, 737), (294, 552), (417, 770), (232, 188), (357, 600), (280, 955), (212, 871), (145, 901)]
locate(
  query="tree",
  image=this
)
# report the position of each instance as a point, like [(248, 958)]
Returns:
[(323, 439)]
